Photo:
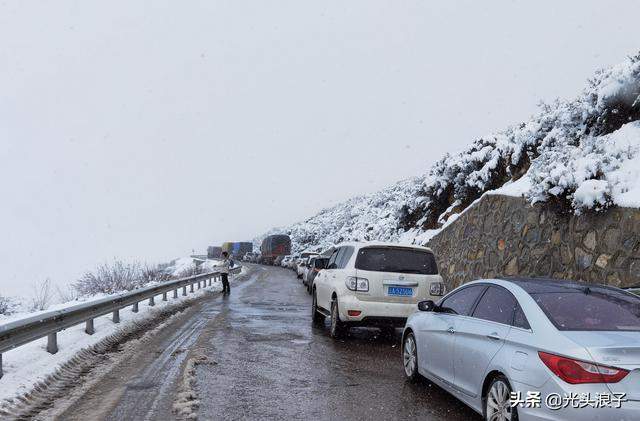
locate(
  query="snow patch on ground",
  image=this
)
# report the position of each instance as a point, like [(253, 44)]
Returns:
[(186, 403), (29, 364), (518, 188)]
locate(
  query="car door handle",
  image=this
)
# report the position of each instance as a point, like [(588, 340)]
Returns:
[(451, 330), (494, 336)]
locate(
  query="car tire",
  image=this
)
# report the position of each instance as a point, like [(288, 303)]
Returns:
[(316, 317), (410, 357), (338, 328), (498, 399)]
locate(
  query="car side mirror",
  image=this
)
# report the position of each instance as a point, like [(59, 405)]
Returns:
[(332, 266), (427, 305)]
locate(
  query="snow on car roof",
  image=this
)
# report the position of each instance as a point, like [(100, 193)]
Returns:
[(362, 244)]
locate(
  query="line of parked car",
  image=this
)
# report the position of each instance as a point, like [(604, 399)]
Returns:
[(489, 340)]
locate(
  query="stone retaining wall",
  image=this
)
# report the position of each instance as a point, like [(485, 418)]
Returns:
[(507, 236)]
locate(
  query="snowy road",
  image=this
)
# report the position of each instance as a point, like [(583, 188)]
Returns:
[(260, 358)]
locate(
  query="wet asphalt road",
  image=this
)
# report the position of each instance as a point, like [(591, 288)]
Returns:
[(271, 363), (264, 360)]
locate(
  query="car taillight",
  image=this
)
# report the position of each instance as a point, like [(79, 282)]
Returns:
[(579, 372), (436, 289), (357, 284)]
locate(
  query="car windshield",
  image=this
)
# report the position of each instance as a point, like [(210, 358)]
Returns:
[(590, 308), (400, 260)]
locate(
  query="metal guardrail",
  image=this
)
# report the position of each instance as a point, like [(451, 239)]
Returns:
[(48, 324)]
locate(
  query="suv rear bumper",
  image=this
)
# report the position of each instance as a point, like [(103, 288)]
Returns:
[(374, 321), (374, 313)]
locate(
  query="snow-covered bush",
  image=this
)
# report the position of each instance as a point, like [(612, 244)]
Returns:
[(578, 155), (559, 149), (154, 274), (111, 277), (6, 305), (66, 294), (368, 217), (41, 296)]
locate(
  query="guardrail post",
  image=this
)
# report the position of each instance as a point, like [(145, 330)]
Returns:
[(152, 301), (199, 287), (184, 290), (116, 316), (88, 328), (135, 307), (175, 293), (164, 296), (52, 343), (191, 288), (209, 281)]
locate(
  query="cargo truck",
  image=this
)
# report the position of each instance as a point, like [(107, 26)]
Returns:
[(214, 252), (237, 249), (274, 246)]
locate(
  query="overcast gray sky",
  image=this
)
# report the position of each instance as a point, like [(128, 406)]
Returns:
[(144, 129)]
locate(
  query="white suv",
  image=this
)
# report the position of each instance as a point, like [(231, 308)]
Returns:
[(374, 284)]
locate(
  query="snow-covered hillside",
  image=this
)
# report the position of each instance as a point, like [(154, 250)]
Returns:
[(578, 155), (367, 217)]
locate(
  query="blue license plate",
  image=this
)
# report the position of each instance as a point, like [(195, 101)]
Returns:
[(400, 291)]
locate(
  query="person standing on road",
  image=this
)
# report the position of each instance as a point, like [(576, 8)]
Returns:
[(224, 273)]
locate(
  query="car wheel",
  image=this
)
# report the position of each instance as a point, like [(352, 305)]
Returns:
[(316, 316), (497, 402), (338, 328), (410, 357)]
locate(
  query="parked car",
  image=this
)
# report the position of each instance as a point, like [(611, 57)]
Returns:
[(306, 268), (374, 284), (489, 338), (304, 262), (316, 264), (278, 260), (293, 262)]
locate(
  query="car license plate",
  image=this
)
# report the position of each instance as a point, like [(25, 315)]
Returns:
[(400, 291)]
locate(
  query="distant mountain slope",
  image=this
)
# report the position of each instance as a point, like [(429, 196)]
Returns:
[(367, 217), (578, 155)]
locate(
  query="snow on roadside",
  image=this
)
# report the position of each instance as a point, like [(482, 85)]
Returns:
[(181, 266), (29, 364), (186, 402)]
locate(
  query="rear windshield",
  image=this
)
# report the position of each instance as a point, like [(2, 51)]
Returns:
[(591, 309), (399, 260)]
